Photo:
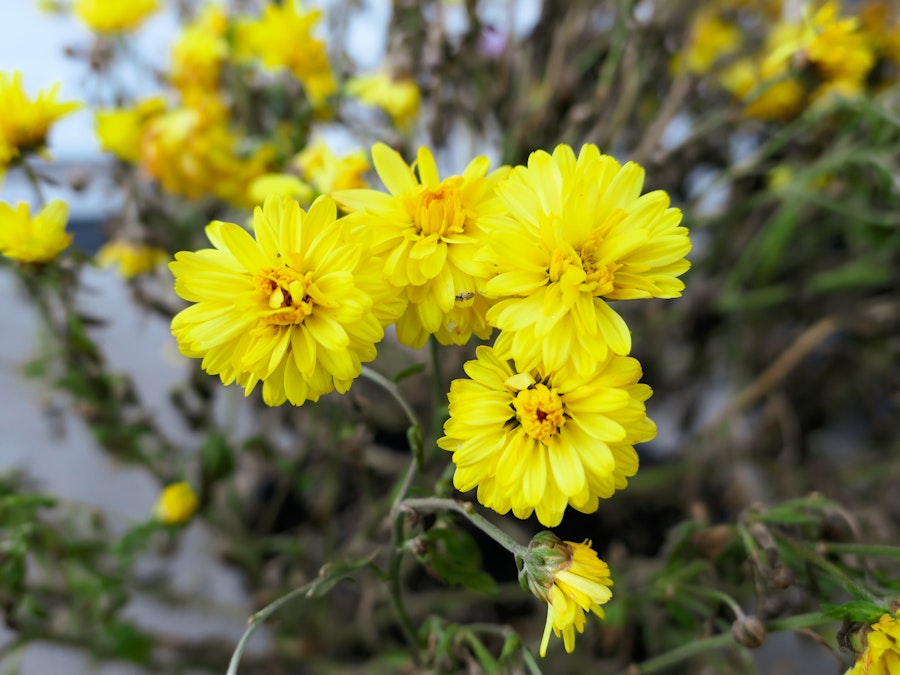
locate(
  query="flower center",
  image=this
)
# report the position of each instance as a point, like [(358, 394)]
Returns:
[(439, 210), (287, 295), (540, 412)]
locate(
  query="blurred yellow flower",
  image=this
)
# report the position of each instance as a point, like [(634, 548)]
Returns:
[(177, 504), (199, 53), (121, 130), (192, 152), (398, 98), (34, 240), (25, 122), (778, 99), (882, 653), (577, 233), (282, 38), (709, 40), (299, 308), (541, 440), (571, 579), (327, 172), (285, 184), (838, 49), (131, 259), (428, 233), (114, 16)]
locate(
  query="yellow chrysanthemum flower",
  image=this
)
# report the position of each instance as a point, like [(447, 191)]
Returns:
[(837, 47), (578, 233), (114, 16), (764, 99), (121, 130), (571, 579), (541, 440), (34, 240), (130, 258), (398, 98), (327, 172), (282, 38), (428, 232), (24, 123), (177, 504), (192, 152), (299, 308), (285, 184), (200, 53), (882, 654), (709, 40)]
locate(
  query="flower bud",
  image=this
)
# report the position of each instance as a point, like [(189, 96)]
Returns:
[(748, 631)]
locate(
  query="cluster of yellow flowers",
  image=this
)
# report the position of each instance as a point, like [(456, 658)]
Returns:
[(201, 146), (550, 414), (804, 59)]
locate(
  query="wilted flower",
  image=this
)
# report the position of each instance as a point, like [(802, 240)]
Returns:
[(571, 579), (34, 240), (177, 504), (541, 440)]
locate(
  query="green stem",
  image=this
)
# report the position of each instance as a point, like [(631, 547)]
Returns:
[(817, 560), (35, 183), (861, 549), (715, 595), (257, 619), (394, 391), (432, 504)]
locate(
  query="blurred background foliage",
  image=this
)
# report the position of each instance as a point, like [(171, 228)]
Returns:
[(771, 496)]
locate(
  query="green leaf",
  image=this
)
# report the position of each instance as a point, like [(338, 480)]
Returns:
[(124, 640), (453, 555), (414, 369), (216, 456), (861, 273), (857, 611)]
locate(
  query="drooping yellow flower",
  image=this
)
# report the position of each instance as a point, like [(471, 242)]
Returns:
[(177, 504), (571, 579), (121, 130), (326, 172), (882, 654), (710, 39), (282, 38), (299, 308), (577, 233), (24, 123), (539, 440), (192, 152), (34, 240), (398, 98), (131, 259), (114, 16), (427, 230), (200, 53)]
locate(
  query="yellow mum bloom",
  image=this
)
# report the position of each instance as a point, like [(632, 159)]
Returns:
[(710, 39), (578, 233), (34, 240), (299, 308), (192, 152), (200, 53), (177, 504), (428, 232), (130, 258), (24, 123), (285, 184), (327, 172), (398, 98), (540, 440), (113, 16), (283, 38), (571, 579), (882, 655), (121, 130)]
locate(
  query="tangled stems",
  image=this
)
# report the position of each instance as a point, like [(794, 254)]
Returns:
[(663, 661)]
